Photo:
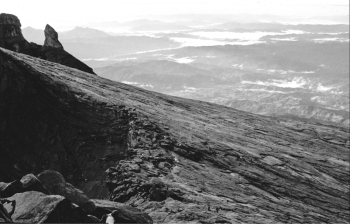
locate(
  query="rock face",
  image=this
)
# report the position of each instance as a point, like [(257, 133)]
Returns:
[(178, 160), (11, 38), (36, 207), (56, 184), (10, 33), (51, 38)]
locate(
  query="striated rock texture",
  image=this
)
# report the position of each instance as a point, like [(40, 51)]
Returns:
[(51, 38), (179, 160), (11, 38)]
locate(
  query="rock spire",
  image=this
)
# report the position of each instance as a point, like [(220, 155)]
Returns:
[(51, 38)]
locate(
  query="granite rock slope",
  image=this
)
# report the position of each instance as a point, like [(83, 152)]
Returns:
[(11, 38), (178, 160)]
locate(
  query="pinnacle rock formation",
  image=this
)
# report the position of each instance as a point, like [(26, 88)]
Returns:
[(11, 38), (51, 38), (178, 160)]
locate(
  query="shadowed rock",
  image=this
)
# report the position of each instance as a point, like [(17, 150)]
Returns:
[(10, 33), (27, 183)]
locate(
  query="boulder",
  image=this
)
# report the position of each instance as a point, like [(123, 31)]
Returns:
[(53, 181), (36, 207), (28, 182), (31, 183), (56, 184), (120, 212)]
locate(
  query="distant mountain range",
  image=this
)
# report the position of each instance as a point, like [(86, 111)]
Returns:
[(279, 26), (301, 80), (34, 35), (142, 25), (88, 43), (37, 35), (316, 55)]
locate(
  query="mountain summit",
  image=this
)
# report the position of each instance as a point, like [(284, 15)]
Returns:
[(11, 38), (176, 159)]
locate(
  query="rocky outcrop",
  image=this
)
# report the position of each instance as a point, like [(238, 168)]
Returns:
[(36, 207), (34, 203), (51, 38), (10, 33), (27, 183), (12, 39), (176, 159), (56, 184)]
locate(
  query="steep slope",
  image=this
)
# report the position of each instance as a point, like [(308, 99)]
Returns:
[(179, 160)]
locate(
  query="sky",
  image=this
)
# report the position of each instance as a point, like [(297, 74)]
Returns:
[(37, 13)]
